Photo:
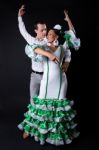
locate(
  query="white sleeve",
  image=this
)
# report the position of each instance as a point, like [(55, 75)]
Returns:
[(24, 32), (67, 55), (67, 52), (65, 45), (29, 51)]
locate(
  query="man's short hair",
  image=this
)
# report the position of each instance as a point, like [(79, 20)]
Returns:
[(38, 22)]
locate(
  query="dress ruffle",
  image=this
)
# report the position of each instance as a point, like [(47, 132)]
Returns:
[(50, 120), (29, 51), (72, 40)]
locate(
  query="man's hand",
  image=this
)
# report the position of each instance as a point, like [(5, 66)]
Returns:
[(21, 11), (65, 66), (68, 20)]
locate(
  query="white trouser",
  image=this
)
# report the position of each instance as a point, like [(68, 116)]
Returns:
[(35, 81)]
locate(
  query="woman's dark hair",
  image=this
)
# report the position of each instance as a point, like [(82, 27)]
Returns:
[(57, 32), (60, 34)]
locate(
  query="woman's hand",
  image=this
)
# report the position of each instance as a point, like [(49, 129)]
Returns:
[(65, 66), (66, 15)]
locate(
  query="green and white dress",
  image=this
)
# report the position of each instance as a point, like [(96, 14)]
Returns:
[(51, 118)]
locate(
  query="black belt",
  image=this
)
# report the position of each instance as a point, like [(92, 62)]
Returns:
[(37, 72)]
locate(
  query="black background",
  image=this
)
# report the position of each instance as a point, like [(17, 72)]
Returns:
[(15, 67)]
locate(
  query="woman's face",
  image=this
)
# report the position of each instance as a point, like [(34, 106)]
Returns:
[(51, 36)]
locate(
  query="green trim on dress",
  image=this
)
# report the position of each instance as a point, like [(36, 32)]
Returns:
[(47, 78)]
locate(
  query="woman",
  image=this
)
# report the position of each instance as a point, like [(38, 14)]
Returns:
[(50, 118)]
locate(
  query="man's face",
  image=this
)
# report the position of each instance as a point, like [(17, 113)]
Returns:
[(41, 31)]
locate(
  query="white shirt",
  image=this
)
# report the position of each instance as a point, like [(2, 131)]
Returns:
[(38, 66)]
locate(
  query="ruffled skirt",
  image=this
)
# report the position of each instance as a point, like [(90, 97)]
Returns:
[(50, 120)]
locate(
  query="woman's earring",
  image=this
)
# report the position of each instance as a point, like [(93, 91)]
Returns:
[(55, 43), (48, 44)]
